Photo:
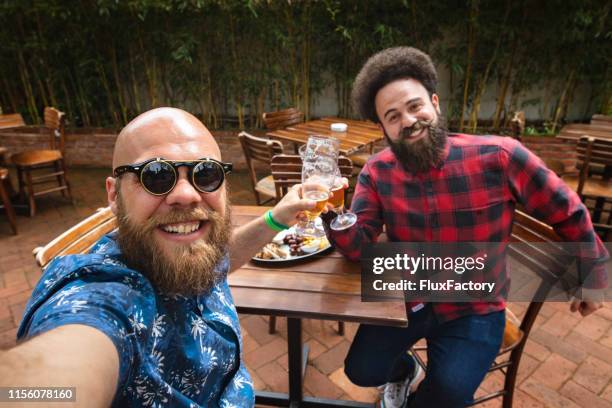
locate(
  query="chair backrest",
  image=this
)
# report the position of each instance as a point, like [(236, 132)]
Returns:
[(258, 149), (533, 245), (287, 171), (10, 120), (79, 238), (593, 151), (282, 119), (55, 122)]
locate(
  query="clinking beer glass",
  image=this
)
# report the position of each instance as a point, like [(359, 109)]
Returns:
[(317, 180), (319, 169), (345, 218)]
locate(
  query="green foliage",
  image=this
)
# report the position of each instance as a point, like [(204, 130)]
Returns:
[(104, 61)]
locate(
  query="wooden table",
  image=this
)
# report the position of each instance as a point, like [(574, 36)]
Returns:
[(359, 135), (575, 131), (326, 287)]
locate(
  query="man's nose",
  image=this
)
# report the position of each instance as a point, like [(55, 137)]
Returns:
[(183, 193), (408, 120)]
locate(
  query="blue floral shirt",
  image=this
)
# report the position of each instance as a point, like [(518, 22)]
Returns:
[(174, 351)]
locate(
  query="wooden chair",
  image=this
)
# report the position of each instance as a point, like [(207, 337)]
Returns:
[(78, 239), (262, 150), (11, 120), (48, 159), (593, 152), (533, 247), (287, 172), (6, 199), (282, 119)]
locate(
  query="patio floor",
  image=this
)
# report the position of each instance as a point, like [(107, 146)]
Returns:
[(567, 360)]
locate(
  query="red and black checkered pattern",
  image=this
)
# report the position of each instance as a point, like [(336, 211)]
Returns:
[(470, 197)]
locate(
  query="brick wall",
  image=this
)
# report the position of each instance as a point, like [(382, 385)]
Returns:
[(94, 147), (559, 155)]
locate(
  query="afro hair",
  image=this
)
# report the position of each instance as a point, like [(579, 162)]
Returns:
[(385, 67)]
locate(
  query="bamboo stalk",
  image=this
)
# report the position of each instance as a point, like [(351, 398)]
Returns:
[(135, 93), (470, 56), (563, 99), (115, 69), (501, 99), (485, 78), (109, 94), (9, 90)]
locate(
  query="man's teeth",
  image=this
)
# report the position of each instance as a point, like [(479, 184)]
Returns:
[(186, 228)]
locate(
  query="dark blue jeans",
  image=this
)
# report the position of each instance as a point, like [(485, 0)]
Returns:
[(459, 353)]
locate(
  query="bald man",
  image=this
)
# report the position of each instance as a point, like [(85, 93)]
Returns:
[(147, 319)]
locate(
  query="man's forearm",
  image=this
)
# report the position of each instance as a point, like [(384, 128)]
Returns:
[(69, 356), (247, 240)]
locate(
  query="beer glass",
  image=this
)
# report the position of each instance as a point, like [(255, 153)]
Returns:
[(317, 180), (345, 218)]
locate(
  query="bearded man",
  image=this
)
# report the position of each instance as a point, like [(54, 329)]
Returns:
[(146, 318), (432, 186)]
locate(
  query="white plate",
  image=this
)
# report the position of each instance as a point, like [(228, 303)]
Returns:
[(290, 258)]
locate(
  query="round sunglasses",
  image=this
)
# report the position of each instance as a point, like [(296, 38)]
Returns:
[(159, 176)]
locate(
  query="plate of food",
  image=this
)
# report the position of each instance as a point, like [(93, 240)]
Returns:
[(289, 246)]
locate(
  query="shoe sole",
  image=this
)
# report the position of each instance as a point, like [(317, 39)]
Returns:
[(416, 377)]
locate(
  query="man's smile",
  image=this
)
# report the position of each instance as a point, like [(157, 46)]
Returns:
[(415, 136), (184, 231)]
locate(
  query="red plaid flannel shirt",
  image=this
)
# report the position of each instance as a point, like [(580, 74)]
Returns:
[(470, 197)]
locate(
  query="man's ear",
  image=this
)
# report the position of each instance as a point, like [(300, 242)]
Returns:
[(111, 193), (436, 103)]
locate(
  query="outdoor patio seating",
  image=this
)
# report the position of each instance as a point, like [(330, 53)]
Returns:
[(593, 152), (50, 161), (533, 248), (593, 183), (79, 238), (287, 171), (11, 120), (282, 119), (257, 149), (5, 197)]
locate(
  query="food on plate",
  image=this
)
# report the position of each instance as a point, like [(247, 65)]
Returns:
[(272, 251), (287, 245)]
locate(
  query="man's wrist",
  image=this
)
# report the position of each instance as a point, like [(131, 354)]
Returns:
[(273, 223)]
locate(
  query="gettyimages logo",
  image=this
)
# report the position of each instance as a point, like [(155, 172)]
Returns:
[(473, 271)]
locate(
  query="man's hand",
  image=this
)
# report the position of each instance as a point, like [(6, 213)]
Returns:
[(585, 307), (291, 206), (329, 206)]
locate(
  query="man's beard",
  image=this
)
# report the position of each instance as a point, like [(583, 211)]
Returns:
[(423, 154), (190, 268)]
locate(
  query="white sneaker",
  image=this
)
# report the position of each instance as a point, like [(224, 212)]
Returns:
[(395, 394)]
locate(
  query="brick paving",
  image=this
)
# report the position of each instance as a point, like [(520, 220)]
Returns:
[(567, 360)]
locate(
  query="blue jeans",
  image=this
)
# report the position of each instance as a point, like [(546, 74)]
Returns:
[(459, 353)]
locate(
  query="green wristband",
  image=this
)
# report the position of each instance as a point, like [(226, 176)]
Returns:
[(272, 223)]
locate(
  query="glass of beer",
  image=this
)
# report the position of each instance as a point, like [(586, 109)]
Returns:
[(319, 167), (317, 179), (345, 218)]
